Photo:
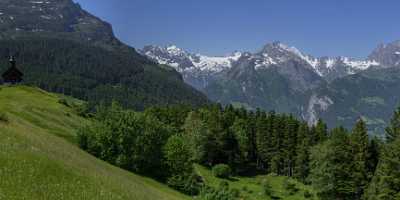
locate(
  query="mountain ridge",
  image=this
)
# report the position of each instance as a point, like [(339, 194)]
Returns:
[(284, 79), (274, 53)]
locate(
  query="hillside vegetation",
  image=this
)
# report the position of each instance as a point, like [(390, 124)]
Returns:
[(39, 159), (254, 188)]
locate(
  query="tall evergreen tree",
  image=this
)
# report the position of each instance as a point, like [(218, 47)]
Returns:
[(240, 129), (331, 167), (393, 131), (386, 183), (359, 143), (195, 135), (264, 139), (301, 169), (321, 132)]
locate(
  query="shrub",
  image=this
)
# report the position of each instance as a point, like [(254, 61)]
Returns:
[(82, 110), (222, 171), (290, 187), (266, 187), (64, 102), (189, 184), (3, 117), (308, 194), (223, 192)]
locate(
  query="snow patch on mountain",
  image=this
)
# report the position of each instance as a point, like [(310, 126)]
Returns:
[(309, 59), (273, 54), (181, 60), (330, 63), (214, 64), (357, 64)]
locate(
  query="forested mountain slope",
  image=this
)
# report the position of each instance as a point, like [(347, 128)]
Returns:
[(62, 48)]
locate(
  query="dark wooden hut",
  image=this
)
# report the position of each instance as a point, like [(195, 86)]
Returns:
[(13, 75)]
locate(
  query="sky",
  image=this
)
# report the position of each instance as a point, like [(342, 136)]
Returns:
[(217, 27)]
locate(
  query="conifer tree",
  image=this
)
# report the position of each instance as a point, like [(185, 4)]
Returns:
[(359, 143), (331, 167), (393, 131), (301, 169), (321, 132), (386, 183), (195, 135)]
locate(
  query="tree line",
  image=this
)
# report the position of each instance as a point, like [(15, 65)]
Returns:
[(340, 164)]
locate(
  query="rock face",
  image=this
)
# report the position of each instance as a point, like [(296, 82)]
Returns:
[(53, 18), (284, 79), (387, 54)]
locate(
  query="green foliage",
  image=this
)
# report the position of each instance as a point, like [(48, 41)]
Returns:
[(3, 117), (223, 192), (302, 161), (82, 109), (195, 134), (267, 188), (308, 195), (177, 156), (222, 171), (331, 167), (252, 187), (321, 132), (359, 142), (386, 183), (188, 184), (127, 139), (64, 102), (249, 143), (393, 130), (290, 187)]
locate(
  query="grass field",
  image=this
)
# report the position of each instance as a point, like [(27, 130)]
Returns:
[(251, 187), (39, 159)]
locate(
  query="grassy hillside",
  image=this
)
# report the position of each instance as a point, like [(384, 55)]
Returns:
[(251, 187), (39, 160)]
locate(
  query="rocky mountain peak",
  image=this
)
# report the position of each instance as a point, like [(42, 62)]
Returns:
[(52, 18), (387, 54)]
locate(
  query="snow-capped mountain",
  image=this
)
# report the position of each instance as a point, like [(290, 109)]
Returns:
[(285, 79), (326, 67), (198, 69)]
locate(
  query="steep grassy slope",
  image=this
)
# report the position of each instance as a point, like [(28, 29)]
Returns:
[(38, 159), (251, 187)]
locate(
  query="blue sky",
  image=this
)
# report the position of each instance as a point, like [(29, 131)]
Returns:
[(217, 27)]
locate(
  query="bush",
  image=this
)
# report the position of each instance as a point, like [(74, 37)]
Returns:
[(82, 110), (290, 187), (188, 184), (308, 194), (266, 187), (223, 192), (3, 117), (64, 102), (221, 171)]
